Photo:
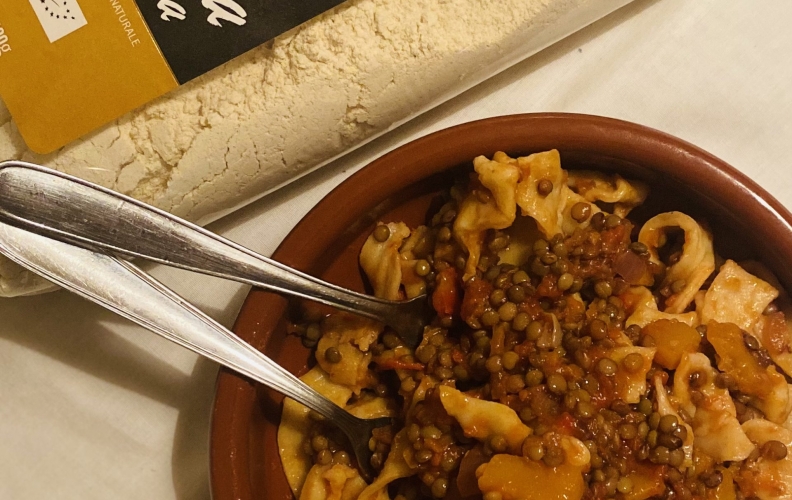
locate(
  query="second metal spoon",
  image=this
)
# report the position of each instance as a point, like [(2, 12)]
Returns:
[(126, 290)]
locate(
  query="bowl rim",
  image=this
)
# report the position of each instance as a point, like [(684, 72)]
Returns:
[(601, 135)]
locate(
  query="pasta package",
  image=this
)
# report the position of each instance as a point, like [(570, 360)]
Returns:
[(230, 136), (557, 367)]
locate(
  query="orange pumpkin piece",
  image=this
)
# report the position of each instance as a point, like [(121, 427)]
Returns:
[(735, 359), (518, 478), (672, 339)]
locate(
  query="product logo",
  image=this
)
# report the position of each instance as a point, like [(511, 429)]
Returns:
[(58, 17)]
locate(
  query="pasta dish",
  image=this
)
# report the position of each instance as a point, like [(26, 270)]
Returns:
[(574, 354)]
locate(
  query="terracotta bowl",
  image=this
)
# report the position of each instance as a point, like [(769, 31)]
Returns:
[(402, 185)]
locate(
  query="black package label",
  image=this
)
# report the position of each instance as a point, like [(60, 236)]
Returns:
[(196, 36)]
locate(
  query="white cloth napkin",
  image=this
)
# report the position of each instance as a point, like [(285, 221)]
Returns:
[(95, 408)]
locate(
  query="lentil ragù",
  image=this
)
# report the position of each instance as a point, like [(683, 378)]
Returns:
[(573, 354)]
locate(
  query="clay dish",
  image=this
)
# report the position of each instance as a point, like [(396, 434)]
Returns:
[(402, 185)]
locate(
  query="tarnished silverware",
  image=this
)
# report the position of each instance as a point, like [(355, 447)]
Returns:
[(69, 209), (126, 290)]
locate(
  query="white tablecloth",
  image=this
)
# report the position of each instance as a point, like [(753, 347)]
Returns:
[(95, 408)]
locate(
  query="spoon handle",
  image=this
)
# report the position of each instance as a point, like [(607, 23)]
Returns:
[(69, 209), (126, 290)]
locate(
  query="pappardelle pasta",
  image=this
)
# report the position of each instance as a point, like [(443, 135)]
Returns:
[(573, 355)]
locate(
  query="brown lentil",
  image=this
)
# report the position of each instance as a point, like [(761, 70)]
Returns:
[(535, 330), (603, 289), (581, 211), (556, 383), (633, 362), (660, 455), (628, 431), (725, 381), (510, 359), (639, 248), (461, 373), (539, 269), (413, 432), (382, 233), (624, 485), (490, 318), (408, 384), (676, 457), (544, 187), (540, 247), (607, 367), (533, 448), (697, 379), (319, 443), (423, 455), (425, 353), (497, 297), (681, 432), (313, 332), (598, 221), (533, 377), (445, 359), (498, 444), (521, 321), (751, 342), (561, 250), (514, 383), (494, 364), (598, 329), (341, 457), (391, 340), (507, 311), (565, 282), (612, 221), (773, 450), (669, 441), (516, 294), (668, 423), (549, 258), (439, 487), (332, 355), (526, 414), (431, 432), (712, 479), (554, 456), (651, 439), (498, 243), (422, 268), (645, 406)]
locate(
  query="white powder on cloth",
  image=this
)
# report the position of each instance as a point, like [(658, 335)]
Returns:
[(311, 94)]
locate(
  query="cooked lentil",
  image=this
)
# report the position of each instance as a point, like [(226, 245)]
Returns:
[(544, 187)]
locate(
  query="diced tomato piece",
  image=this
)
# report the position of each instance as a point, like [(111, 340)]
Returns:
[(445, 298), (476, 299)]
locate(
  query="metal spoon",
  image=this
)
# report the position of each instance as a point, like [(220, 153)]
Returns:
[(69, 209), (126, 290)]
